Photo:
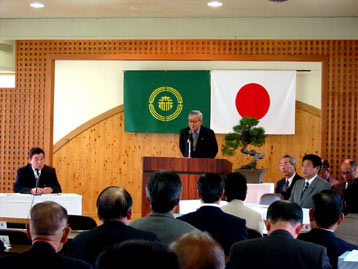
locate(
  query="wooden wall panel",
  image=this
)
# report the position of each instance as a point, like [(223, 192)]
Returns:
[(26, 112), (102, 155)]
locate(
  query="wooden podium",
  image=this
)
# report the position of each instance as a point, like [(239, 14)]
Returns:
[(189, 170)]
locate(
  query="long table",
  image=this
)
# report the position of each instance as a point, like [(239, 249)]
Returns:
[(16, 205)]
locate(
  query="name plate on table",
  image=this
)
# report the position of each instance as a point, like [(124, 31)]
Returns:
[(17, 205)]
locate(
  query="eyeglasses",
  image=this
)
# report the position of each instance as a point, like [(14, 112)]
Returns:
[(66, 226), (193, 121)]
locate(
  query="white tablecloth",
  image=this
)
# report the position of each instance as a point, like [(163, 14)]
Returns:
[(16, 205)]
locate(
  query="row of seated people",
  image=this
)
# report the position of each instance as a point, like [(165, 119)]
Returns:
[(48, 227)]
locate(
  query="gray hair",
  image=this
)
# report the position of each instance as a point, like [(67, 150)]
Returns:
[(196, 112), (292, 159)]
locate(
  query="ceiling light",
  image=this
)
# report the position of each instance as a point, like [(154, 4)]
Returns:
[(278, 1), (37, 5), (215, 4)]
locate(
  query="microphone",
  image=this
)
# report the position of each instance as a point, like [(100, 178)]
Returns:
[(190, 134)]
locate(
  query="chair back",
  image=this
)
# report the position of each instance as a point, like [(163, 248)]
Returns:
[(81, 223), (16, 237), (251, 233), (269, 198)]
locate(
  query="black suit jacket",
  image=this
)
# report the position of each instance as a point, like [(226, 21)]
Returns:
[(207, 146), (41, 255), (277, 250), (224, 228), (25, 179), (334, 245), (281, 183), (88, 245)]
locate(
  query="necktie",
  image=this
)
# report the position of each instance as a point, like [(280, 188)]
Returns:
[(195, 139), (285, 186), (306, 186)]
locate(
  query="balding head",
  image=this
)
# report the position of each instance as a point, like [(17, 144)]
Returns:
[(348, 170), (47, 218), (48, 224), (199, 250), (114, 203)]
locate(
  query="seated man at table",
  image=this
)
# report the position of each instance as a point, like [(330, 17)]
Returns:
[(48, 231), (325, 216), (235, 192), (114, 209), (163, 191), (36, 177), (224, 228), (280, 249)]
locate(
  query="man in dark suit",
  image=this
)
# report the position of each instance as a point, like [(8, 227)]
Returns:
[(288, 169), (280, 249), (224, 228), (325, 216), (36, 177), (311, 184), (202, 140), (114, 205), (325, 173), (348, 172), (48, 231)]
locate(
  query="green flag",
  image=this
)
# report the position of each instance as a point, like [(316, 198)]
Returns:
[(160, 101)]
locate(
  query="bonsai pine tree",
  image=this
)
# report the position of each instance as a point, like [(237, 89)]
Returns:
[(245, 134)]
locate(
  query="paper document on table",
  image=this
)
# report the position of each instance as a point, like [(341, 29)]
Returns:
[(352, 257)]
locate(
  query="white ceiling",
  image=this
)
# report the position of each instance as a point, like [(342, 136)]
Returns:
[(177, 9)]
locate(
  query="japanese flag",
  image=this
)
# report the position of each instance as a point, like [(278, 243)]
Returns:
[(268, 96)]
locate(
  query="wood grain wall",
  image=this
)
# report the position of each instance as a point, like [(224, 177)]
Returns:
[(26, 111), (99, 154)]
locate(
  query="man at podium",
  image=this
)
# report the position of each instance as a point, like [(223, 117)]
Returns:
[(36, 177), (197, 141)]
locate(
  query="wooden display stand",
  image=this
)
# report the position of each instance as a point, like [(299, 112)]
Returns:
[(189, 170)]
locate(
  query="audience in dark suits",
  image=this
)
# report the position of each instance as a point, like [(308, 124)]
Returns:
[(48, 231), (304, 189), (348, 172), (163, 191), (235, 192), (114, 205), (325, 216), (199, 250), (288, 169), (137, 254), (325, 173), (348, 230), (224, 228), (280, 249), (36, 177), (202, 140)]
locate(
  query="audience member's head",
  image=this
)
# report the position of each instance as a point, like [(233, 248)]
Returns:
[(311, 164), (114, 203), (49, 223), (163, 191), (286, 211), (199, 250), (284, 215), (348, 170), (351, 198), (288, 165), (325, 170), (327, 209), (235, 187), (210, 187), (137, 254)]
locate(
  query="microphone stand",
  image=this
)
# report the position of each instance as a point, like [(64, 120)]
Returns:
[(189, 148), (37, 183)]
